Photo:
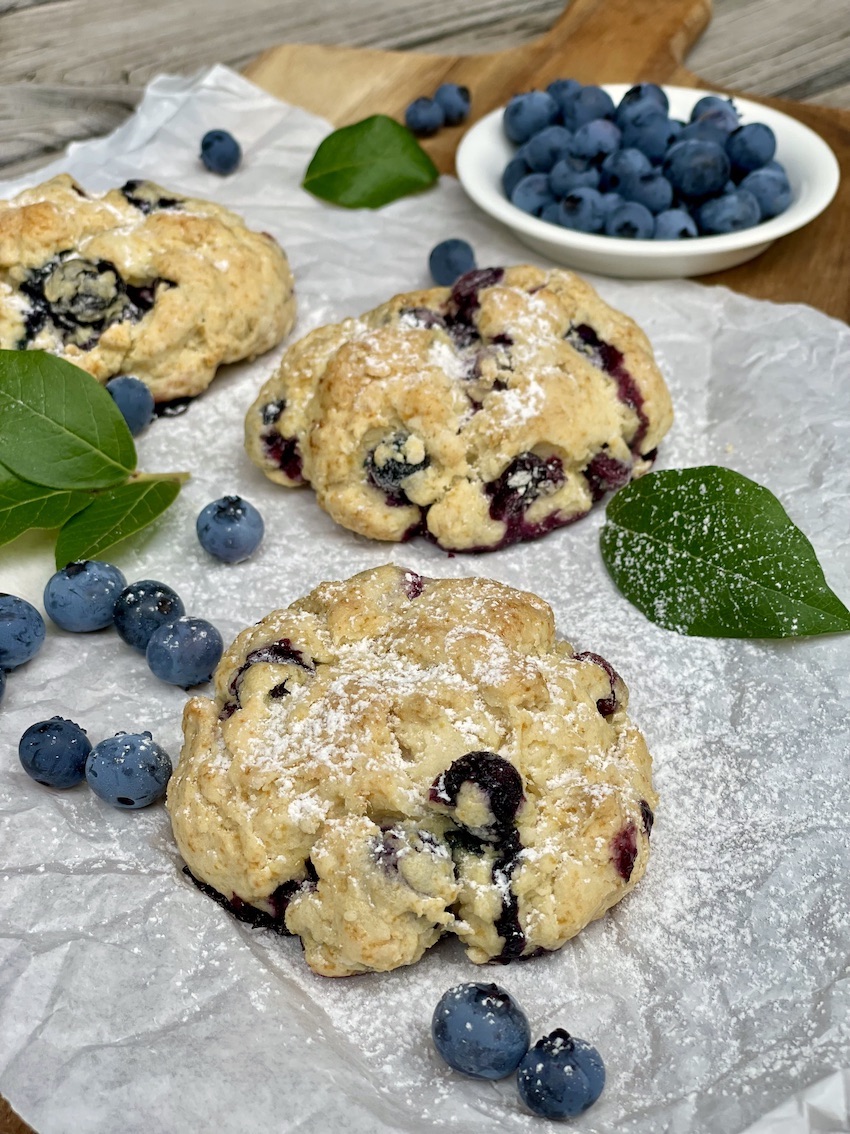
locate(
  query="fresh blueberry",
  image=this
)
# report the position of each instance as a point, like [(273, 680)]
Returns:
[(514, 171), (713, 104), (652, 190), (563, 91), (595, 140), (82, 595), (547, 147), (589, 103), (142, 608), (750, 147), (184, 651), (582, 210), (455, 102), (128, 770), (135, 401), (551, 212), (674, 224), (560, 1077), (450, 259), (618, 168), (610, 202), (645, 91), (705, 129), (696, 169), (480, 1030), (771, 189), (652, 134), (729, 213), (220, 152), (630, 221), (572, 173), (230, 529), (533, 194), (424, 117), (527, 114), (2, 683), (21, 631), (54, 753)]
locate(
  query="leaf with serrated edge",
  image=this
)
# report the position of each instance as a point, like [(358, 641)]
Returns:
[(58, 426), (113, 516), (369, 164), (708, 552), (24, 506)]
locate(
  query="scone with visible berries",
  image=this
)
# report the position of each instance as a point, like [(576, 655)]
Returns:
[(393, 758), (139, 281), (478, 416)]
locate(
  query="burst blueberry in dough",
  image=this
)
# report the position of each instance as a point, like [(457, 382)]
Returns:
[(478, 416), (139, 281), (394, 758)]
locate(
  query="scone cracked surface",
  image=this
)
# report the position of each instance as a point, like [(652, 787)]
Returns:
[(139, 281), (393, 758), (478, 416)]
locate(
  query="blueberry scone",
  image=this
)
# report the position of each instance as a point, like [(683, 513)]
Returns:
[(394, 758), (478, 416), (139, 281)]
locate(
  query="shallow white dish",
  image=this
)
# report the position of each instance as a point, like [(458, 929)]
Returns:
[(812, 170)]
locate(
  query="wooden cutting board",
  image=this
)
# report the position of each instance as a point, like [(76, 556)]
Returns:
[(594, 41)]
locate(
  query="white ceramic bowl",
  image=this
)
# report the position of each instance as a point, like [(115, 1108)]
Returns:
[(812, 170)]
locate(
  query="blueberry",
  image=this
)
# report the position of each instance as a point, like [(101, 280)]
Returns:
[(645, 91), (135, 401), (450, 259), (527, 114), (54, 753), (723, 118), (705, 129), (563, 91), (771, 189), (729, 213), (696, 169), (230, 529), (547, 147), (514, 171), (2, 683), (480, 1030), (610, 202), (551, 212), (674, 224), (582, 210), (572, 173), (652, 190), (750, 147), (653, 135), (220, 152), (392, 461), (128, 770), (21, 631), (560, 1077), (142, 608), (82, 595), (455, 102), (589, 103), (185, 651), (714, 104), (533, 194), (630, 221), (620, 166), (595, 140), (424, 117)]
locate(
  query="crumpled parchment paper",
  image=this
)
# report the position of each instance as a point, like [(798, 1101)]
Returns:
[(716, 993)]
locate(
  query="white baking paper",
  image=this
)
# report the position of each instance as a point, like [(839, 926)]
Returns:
[(716, 993)]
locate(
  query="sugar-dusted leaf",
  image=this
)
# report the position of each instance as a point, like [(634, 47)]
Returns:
[(706, 551), (113, 516), (24, 505), (58, 426), (369, 164)]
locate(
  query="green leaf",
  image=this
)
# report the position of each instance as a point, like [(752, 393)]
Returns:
[(709, 552), (113, 516), (24, 505), (369, 164), (58, 426)]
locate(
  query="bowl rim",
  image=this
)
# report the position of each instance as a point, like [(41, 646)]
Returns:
[(486, 138)]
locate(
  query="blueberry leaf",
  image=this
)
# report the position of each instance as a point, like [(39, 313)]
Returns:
[(58, 426), (24, 506), (369, 164), (708, 552), (114, 515)]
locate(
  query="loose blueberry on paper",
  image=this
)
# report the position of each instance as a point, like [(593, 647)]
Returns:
[(220, 152), (480, 1030), (54, 753), (450, 259), (142, 608), (128, 770), (135, 401), (81, 596), (22, 631), (231, 529), (185, 651), (560, 1077)]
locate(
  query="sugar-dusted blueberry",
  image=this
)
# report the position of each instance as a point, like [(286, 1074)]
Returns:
[(22, 631), (231, 529), (480, 1030), (220, 152), (455, 101), (184, 651), (142, 608), (81, 597), (630, 221), (675, 224), (450, 259), (696, 169), (572, 173), (560, 1077), (54, 753), (750, 147), (533, 194), (134, 400), (424, 117), (582, 210), (730, 213), (495, 777), (128, 770), (527, 114), (589, 103), (594, 140), (395, 459), (771, 189)]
